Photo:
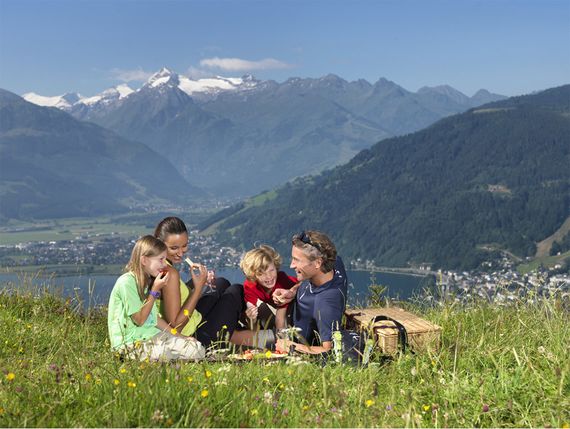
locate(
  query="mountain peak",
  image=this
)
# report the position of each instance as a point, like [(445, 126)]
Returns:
[(163, 76)]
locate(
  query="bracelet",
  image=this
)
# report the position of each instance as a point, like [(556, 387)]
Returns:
[(155, 294)]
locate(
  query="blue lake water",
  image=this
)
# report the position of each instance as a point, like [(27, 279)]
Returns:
[(94, 290)]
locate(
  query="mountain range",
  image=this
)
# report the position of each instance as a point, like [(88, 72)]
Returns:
[(53, 165), (238, 136), (493, 178)]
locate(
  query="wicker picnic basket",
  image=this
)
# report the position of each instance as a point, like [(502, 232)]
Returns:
[(395, 329)]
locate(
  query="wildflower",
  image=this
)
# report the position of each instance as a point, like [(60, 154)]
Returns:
[(204, 393), (10, 376), (369, 403), (225, 327), (116, 381), (1, 411), (208, 373), (485, 408), (98, 381), (142, 366), (265, 380), (189, 379), (122, 370), (268, 354), (267, 396), (186, 313), (132, 384), (157, 416), (169, 421), (541, 350), (426, 407), (173, 331), (414, 371), (565, 425), (254, 412), (88, 377), (305, 407), (285, 412)]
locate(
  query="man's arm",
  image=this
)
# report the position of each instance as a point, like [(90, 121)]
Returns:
[(285, 296), (284, 346)]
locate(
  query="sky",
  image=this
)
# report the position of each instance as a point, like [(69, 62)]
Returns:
[(509, 47)]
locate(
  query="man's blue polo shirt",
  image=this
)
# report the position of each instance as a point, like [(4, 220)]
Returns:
[(319, 309)]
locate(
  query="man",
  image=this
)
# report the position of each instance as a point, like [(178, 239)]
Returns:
[(321, 293)]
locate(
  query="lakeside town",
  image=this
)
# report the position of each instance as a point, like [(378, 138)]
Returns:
[(497, 280)]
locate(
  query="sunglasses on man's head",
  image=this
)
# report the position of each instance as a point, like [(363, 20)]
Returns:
[(307, 240)]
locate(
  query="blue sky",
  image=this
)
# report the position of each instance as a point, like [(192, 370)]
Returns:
[(509, 47)]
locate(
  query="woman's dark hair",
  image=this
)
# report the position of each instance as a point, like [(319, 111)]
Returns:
[(169, 225)]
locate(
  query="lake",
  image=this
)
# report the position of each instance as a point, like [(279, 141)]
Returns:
[(95, 289)]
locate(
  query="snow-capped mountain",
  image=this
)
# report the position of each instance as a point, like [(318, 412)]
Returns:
[(205, 87), (202, 89), (276, 130), (63, 102)]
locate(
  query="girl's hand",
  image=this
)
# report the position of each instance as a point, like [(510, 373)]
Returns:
[(251, 311), (199, 279), (160, 281)]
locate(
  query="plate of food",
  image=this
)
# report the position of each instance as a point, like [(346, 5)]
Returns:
[(258, 354)]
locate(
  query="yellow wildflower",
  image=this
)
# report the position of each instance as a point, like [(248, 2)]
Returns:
[(254, 412), (10, 376), (116, 381), (186, 313), (173, 331), (132, 384), (268, 354), (87, 377), (369, 403), (426, 407), (204, 393), (265, 380), (565, 425), (189, 379), (122, 370), (208, 373)]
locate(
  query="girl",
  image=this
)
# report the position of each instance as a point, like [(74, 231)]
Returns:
[(261, 268), (134, 328)]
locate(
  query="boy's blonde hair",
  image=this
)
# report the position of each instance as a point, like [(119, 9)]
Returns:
[(145, 246), (256, 261)]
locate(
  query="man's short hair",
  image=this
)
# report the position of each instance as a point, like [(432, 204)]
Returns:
[(314, 245)]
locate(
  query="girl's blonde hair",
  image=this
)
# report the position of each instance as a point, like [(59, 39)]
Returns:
[(256, 261), (145, 246)]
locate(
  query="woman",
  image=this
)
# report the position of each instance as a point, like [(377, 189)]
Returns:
[(134, 327), (209, 317)]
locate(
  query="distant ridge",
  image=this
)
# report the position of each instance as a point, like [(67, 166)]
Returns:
[(238, 136), (495, 174), (52, 165)]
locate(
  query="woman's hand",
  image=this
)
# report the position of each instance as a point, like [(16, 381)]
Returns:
[(199, 278)]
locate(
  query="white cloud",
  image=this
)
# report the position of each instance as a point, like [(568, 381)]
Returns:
[(239, 65), (131, 75)]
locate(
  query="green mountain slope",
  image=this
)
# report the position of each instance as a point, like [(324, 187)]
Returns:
[(497, 175), (52, 165)]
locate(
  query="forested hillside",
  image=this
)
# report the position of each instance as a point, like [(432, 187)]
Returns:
[(495, 177)]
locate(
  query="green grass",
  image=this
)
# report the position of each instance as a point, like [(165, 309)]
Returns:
[(497, 367), (546, 261), (67, 229)]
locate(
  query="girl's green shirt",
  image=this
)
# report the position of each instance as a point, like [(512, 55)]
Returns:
[(123, 303)]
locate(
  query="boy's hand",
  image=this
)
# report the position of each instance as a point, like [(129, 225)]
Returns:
[(251, 311)]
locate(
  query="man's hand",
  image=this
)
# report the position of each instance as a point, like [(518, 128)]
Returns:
[(284, 296)]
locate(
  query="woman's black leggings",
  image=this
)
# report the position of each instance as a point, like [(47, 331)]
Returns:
[(220, 313)]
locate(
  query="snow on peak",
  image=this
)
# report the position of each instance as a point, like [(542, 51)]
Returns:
[(164, 75), (109, 95), (63, 102)]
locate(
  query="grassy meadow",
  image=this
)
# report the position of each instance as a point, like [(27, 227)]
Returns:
[(499, 366)]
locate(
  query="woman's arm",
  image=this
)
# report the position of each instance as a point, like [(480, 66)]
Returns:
[(199, 280), (171, 297)]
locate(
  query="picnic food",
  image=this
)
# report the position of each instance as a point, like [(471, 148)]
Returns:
[(258, 354), (189, 262)]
